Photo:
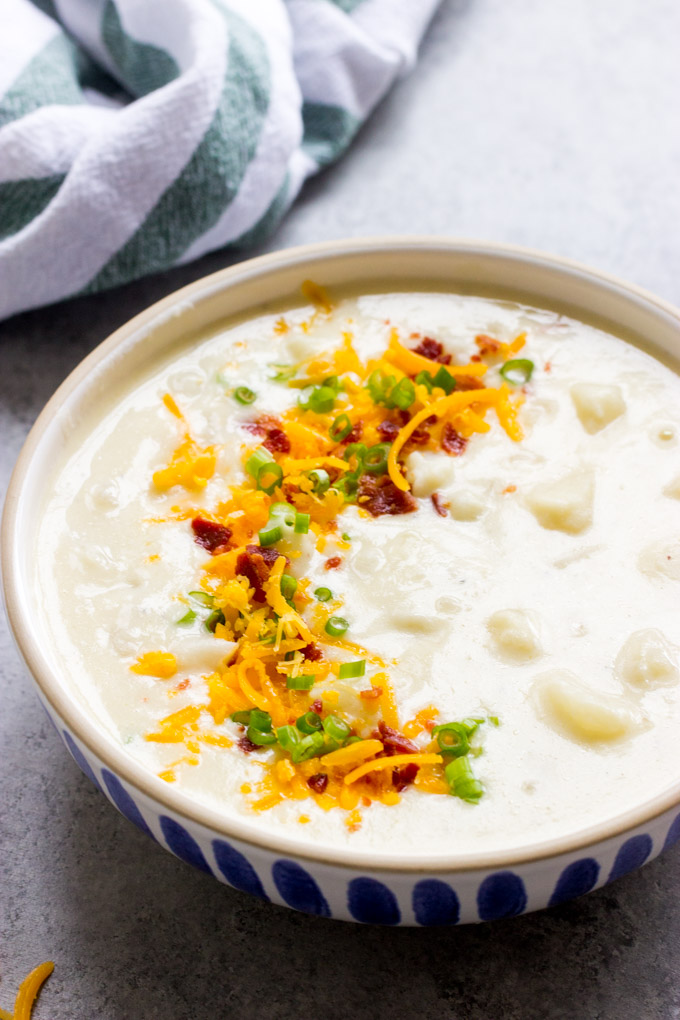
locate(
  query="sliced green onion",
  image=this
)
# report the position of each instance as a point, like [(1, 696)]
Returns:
[(258, 459), (379, 385), (494, 720), (402, 395), (517, 371), (270, 535), (346, 537), (340, 428), (260, 720), (336, 728), (260, 737), (310, 722), (269, 476), (320, 399), (301, 523), (462, 780), (444, 380), (217, 616), (241, 717), (323, 594), (375, 461), (348, 486), (309, 746), (348, 670), (424, 379), (284, 512), (333, 382), (244, 395), (288, 737), (203, 598), (357, 450), (285, 372), (452, 738), (288, 586), (304, 682), (188, 618), (471, 725), (336, 626), (321, 481)]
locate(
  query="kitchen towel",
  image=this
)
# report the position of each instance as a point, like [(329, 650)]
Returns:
[(136, 135)]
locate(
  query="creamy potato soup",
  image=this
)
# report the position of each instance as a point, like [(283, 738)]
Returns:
[(396, 572)]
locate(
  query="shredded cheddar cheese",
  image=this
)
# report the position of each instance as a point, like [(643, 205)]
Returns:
[(159, 664), (392, 762), (28, 992)]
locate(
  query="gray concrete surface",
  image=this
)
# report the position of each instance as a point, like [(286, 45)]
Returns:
[(553, 124)]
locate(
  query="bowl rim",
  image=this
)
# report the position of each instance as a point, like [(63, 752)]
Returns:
[(112, 756)]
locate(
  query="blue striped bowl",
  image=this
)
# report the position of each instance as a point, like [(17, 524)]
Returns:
[(355, 886)]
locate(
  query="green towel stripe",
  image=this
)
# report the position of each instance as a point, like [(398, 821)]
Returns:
[(22, 201), (50, 77), (347, 5), (269, 220), (212, 177), (328, 130), (47, 7), (141, 67)]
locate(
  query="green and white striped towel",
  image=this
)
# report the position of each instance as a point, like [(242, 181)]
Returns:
[(136, 135)]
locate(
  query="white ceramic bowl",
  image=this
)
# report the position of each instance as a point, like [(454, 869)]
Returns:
[(334, 883)]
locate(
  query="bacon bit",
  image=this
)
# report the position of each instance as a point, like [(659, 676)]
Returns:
[(183, 684), (371, 694), (318, 782), (429, 725), (355, 435), (432, 349), (388, 430), (333, 563), (441, 508), (421, 434), (547, 367), (475, 357), (256, 564), (210, 535), (246, 745), (452, 441), (317, 706), (487, 344), (469, 382), (395, 742), (277, 441), (312, 652), (380, 496), (404, 776), (510, 488)]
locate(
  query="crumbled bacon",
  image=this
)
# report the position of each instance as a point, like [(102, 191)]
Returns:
[(438, 505), (317, 706), (318, 782), (452, 441), (421, 435), (355, 435), (210, 535), (333, 563), (256, 564), (371, 694), (277, 441), (388, 430), (380, 496), (395, 742), (487, 344), (312, 652), (246, 745), (404, 775), (432, 349)]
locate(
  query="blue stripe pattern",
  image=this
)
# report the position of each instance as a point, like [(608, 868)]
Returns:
[(435, 902), (237, 869), (371, 902), (124, 802), (183, 845), (298, 889)]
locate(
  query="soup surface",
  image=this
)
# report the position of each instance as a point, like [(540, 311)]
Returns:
[(395, 572)]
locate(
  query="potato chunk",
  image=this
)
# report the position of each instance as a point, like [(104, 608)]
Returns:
[(647, 660), (597, 405), (564, 505), (581, 713), (428, 472), (465, 505), (672, 490), (514, 635), (661, 559)]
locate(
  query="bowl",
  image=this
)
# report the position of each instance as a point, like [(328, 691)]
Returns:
[(360, 886)]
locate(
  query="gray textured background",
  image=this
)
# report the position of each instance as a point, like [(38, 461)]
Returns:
[(551, 123)]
